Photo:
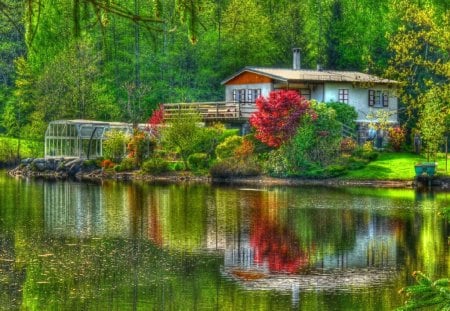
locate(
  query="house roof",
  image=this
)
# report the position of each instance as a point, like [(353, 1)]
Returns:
[(307, 75)]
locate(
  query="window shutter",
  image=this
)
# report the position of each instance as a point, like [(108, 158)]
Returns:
[(385, 100), (371, 98), (234, 95)]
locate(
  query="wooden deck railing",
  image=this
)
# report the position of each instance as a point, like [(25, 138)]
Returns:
[(207, 110)]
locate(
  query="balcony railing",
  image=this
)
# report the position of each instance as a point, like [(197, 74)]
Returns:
[(209, 111)]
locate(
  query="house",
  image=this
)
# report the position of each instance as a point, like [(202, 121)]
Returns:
[(367, 93)]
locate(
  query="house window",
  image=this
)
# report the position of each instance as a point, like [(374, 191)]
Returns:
[(378, 98), (253, 94), (343, 96)]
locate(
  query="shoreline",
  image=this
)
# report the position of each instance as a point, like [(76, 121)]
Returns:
[(78, 170), (99, 175)]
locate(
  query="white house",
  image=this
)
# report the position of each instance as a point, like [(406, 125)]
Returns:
[(367, 93), (363, 91)]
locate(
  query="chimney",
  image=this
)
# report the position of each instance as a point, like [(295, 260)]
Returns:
[(296, 59)]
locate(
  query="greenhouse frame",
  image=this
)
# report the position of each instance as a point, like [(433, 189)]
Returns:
[(79, 138)]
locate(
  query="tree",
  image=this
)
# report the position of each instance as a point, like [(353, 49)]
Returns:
[(181, 133), (420, 58), (433, 119), (278, 116)]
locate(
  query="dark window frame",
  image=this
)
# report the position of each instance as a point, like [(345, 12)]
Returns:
[(343, 96), (378, 99)]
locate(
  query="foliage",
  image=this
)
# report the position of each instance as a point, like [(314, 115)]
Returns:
[(419, 47), (433, 119), (279, 116), (107, 164), (245, 150), (348, 145), (115, 144), (127, 164), (139, 146), (379, 119), (397, 137), (367, 146), (345, 114), (198, 161), (228, 147), (316, 141), (156, 120), (182, 133), (232, 168), (155, 166), (426, 293), (208, 138), (276, 164), (8, 151)]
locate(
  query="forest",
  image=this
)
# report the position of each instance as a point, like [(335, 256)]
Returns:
[(88, 59)]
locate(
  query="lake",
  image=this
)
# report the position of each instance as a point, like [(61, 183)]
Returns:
[(142, 246)]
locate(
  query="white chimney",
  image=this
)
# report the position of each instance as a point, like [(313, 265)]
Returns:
[(296, 59)]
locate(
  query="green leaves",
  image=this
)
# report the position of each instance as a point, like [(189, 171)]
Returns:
[(426, 293)]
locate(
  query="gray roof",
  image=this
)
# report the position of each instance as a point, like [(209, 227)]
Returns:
[(307, 75)]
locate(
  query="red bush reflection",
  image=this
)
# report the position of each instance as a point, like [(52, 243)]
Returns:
[(276, 246)]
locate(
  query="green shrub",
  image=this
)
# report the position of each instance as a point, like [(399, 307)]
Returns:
[(127, 164), (356, 163), (370, 155), (155, 166), (198, 161), (232, 168), (228, 146), (335, 170), (345, 114), (114, 146), (176, 166)]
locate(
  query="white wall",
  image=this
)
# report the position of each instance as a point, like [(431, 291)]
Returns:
[(247, 109), (359, 98)]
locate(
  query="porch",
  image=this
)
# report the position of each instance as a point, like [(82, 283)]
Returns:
[(212, 111)]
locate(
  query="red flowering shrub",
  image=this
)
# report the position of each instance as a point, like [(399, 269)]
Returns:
[(397, 137), (157, 117), (278, 116)]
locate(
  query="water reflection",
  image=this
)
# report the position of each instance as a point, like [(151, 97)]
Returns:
[(162, 246)]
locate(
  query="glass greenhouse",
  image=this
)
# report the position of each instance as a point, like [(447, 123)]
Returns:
[(79, 138)]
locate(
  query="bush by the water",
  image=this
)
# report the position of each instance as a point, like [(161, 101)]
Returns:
[(198, 161), (127, 164), (232, 168), (155, 166), (227, 148)]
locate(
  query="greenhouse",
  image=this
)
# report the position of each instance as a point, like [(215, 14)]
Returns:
[(79, 138)]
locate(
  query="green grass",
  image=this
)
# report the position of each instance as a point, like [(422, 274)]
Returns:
[(393, 166), (28, 148)]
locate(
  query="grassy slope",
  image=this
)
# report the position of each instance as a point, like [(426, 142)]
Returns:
[(393, 166)]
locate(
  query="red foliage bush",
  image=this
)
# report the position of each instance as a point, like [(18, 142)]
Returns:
[(107, 164), (278, 116)]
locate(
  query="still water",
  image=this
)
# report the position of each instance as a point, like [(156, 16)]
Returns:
[(136, 246)]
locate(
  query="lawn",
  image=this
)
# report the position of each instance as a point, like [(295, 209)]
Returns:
[(393, 166)]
